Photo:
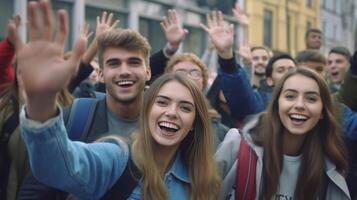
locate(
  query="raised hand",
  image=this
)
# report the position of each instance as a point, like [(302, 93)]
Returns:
[(244, 51), (242, 18), (105, 23), (221, 36), (43, 70), (85, 31), (173, 30), (16, 21)]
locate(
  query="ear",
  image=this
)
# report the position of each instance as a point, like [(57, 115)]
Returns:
[(148, 73), (270, 81)]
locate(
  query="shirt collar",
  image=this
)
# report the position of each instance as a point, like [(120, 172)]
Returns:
[(179, 169)]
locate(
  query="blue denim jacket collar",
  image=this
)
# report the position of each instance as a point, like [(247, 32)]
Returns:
[(179, 169)]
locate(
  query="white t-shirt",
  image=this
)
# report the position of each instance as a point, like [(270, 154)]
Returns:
[(288, 178)]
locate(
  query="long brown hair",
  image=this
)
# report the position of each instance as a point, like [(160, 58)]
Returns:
[(196, 148), (324, 140)]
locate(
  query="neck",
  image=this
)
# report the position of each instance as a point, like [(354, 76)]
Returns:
[(164, 157), (293, 144), (256, 80), (129, 111)]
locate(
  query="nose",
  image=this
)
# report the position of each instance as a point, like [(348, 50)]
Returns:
[(300, 103), (171, 112), (124, 70)]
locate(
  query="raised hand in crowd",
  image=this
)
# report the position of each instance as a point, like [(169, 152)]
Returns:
[(7, 54), (221, 35), (44, 71), (241, 17), (174, 32), (104, 23), (15, 20), (244, 50)]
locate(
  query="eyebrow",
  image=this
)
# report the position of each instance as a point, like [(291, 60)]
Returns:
[(111, 60), (295, 91), (135, 59), (168, 98)]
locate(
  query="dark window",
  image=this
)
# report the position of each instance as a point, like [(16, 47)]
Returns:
[(268, 28), (6, 9), (151, 29), (194, 41)]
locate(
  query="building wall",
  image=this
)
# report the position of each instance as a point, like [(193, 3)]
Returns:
[(142, 15), (338, 23), (289, 23)]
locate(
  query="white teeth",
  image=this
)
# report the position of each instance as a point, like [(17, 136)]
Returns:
[(297, 116), (169, 125), (125, 82)]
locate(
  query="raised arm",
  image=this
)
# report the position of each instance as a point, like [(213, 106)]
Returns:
[(7, 53), (174, 35), (241, 98), (104, 23), (82, 169)]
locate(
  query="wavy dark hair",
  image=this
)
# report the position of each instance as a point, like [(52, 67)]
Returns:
[(323, 141)]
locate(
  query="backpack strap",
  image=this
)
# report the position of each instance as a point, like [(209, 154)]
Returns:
[(125, 185), (246, 169), (80, 117)]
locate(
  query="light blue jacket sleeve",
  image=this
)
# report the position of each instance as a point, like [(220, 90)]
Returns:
[(85, 170)]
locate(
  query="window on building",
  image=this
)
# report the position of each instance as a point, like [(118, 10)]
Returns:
[(6, 9), (151, 29), (194, 41), (308, 25), (268, 28), (330, 4), (309, 3), (224, 6)]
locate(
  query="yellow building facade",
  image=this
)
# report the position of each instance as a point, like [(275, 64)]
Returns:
[(281, 24)]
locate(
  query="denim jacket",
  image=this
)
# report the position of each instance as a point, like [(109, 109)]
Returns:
[(87, 171)]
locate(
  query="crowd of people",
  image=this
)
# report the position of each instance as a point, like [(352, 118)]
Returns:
[(115, 121)]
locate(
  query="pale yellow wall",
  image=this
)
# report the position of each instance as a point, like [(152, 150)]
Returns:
[(299, 14)]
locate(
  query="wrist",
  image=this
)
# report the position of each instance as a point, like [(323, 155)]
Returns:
[(41, 108), (227, 54), (170, 49)]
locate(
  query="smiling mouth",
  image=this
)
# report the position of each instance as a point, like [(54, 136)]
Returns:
[(298, 119), (125, 83), (168, 128)]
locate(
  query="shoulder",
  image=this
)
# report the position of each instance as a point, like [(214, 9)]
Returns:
[(226, 153)]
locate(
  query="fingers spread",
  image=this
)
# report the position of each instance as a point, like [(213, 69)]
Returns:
[(12, 29), (47, 20), (63, 29), (34, 32)]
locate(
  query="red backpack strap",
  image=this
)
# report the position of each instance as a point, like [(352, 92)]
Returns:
[(246, 169)]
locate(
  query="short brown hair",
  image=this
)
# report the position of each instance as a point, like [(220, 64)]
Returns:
[(190, 57), (310, 55), (123, 38)]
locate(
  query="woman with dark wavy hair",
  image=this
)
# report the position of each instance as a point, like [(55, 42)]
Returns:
[(298, 143)]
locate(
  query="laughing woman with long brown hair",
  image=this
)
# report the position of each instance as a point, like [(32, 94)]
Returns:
[(300, 152)]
